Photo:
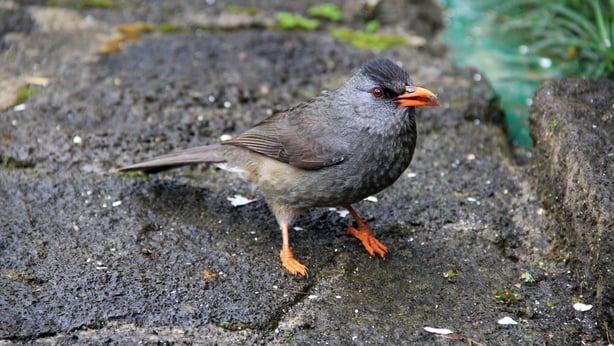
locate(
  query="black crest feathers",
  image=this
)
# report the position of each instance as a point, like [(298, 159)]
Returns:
[(386, 74)]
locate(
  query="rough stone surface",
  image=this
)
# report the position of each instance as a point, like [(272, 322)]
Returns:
[(573, 127), (89, 256)]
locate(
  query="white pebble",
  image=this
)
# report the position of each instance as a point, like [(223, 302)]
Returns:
[(582, 307), (507, 321)]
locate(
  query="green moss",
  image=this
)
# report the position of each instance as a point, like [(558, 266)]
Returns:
[(372, 25), (191, 175), (87, 4), (24, 93), (506, 297), (555, 123), (169, 28), (450, 275), (326, 11), (549, 303), (250, 11), (133, 174), (289, 21), (527, 278), (233, 326), (24, 278), (11, 163), (368, 40), (223, 325)]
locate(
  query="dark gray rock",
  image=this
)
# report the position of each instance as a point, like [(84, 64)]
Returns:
[(92, 257), (573, 128)]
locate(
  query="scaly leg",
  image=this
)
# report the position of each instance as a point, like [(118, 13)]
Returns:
[(364, 234), (287, 258)]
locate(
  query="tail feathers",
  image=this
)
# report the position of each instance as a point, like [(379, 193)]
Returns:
[(209, 153)]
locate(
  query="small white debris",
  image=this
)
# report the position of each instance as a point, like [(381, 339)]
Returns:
[(100, 265), (341, 212), (582, 307), (20, 107), (297, 228), (239, 200), (42, 81), (412, 175), (77, 140), (338, 297), (507, 321), (116, 203), (371, 199), (225, 137), (312, 296), (471, 199), (441, 331), (227, 104), (470, 157), (477, 77)]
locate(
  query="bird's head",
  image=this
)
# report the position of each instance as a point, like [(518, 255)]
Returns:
[(381, 89)]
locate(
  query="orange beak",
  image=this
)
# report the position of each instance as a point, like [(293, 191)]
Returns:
[(416, 97)]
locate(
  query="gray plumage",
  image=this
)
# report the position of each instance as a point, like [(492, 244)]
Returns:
[(333, 150)]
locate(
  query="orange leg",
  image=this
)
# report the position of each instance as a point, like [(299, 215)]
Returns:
[(364, 234), (287, 258)]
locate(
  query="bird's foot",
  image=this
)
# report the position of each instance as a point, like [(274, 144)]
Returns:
[(371, 244), (293, 266)]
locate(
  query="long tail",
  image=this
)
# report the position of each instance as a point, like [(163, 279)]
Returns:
[(208, 153)]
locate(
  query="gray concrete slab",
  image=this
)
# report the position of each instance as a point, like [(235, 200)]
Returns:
[(89, 256)]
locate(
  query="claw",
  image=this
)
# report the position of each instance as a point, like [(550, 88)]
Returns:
[(293, 266), (364, 234), (371, 244)]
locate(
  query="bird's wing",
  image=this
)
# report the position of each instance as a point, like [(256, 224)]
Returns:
[(286, 138)]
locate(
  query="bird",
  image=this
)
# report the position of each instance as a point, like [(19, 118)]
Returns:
[(332, 150)]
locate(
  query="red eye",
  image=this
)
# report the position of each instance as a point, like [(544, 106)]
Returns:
[(377, 92)]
